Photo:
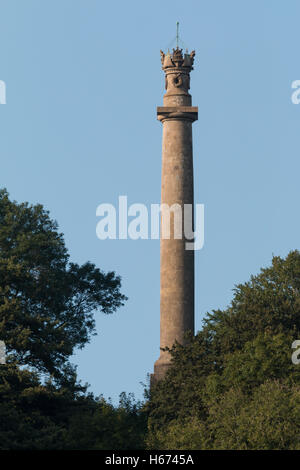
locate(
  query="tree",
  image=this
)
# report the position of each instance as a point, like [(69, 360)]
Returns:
[(106, 427), (47, 307), (33, 416), (47, 303), (234, 384), (267, 419), (46, 416)]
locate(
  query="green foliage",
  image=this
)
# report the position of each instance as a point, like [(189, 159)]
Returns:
[(45, 417), (27, 409), (234, 385), (47, 307), (268, 419), (47, 304), (107, 427)]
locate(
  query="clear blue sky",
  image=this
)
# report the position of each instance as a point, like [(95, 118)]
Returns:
[(79, 128)]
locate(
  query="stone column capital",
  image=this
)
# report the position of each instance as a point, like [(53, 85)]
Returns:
[(188, 113)]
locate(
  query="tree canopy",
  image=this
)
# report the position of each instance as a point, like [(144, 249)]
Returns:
[(234, 386), (47, 303), (47, 307)]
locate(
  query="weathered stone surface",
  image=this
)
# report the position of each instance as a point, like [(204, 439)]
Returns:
[(2, 352), (176, 263)]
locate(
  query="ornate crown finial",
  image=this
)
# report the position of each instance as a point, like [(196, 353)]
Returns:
[(177, 67), (177, 59)]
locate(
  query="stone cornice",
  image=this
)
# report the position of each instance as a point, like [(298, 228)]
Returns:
[(189, 113)]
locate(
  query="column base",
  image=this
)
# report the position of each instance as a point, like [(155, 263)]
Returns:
[(160, 369)]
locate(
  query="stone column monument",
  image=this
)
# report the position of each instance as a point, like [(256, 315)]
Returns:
[(177, 187)]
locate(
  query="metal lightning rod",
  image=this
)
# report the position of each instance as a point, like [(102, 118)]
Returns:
[(177, 34)]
